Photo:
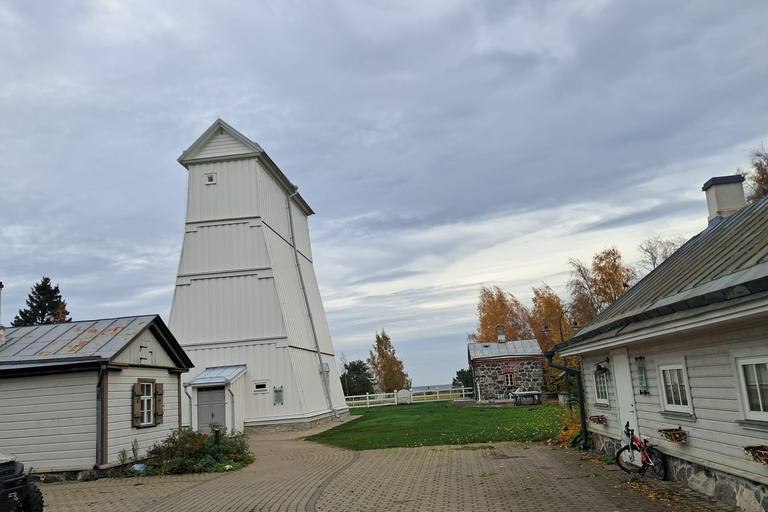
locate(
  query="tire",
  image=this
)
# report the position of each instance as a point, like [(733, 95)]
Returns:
[(632, 454), (659, 467), (33, 501)]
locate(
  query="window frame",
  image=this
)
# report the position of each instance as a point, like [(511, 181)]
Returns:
[(147, 404), (741, 362), (509, 379), (598, 399), (665, 404)]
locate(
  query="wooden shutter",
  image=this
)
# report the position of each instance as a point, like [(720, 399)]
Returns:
[(137, 404), (158, 404)]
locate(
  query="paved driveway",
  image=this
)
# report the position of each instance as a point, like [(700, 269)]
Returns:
[(294, 475)]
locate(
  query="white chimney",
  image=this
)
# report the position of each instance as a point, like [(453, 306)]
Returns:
[(725, 196), (2, 329)]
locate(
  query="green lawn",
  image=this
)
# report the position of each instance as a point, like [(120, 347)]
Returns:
[(441, 423)]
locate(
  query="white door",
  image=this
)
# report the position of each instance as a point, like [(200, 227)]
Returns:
[(625, 394)]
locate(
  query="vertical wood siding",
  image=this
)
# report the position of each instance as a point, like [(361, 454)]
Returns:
[(49, 421), (153, 355), (223, 247), (231, 197), (121, 429), (714, 435), (226, 309)]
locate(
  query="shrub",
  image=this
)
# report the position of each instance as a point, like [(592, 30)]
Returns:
[(194, 452)]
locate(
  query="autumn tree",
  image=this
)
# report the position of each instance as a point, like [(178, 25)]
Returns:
[(551, 311), (495, 307), (593, 288), (44, 306), (757, 176), (655, 249), (387, 369)]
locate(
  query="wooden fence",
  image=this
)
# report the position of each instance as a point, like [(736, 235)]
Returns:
[(427, 395)]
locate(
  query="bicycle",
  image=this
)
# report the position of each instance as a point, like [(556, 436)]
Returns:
[(636, 450)]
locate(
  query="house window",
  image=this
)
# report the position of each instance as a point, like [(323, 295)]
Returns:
[(754, 386), (601, 388), (210, 178), (674, 389), (259, 386), (509, 379), (147, 404)]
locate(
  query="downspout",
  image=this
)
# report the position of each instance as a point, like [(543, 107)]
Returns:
[(309, 309), (579, 395), (186, 392), (232, 397), (100, 414)]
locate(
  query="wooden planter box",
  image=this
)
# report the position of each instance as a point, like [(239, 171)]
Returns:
[(598, 420), (757, 453), (674, 435)]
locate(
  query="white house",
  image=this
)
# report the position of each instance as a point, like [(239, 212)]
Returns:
[(247, 307), (683, 355), (73, 395)]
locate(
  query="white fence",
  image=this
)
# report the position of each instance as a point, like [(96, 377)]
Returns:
[(428, 395)]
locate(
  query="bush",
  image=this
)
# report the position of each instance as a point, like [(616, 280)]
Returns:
[(194, 452)]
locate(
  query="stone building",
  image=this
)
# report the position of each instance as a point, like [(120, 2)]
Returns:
[(502, 367)]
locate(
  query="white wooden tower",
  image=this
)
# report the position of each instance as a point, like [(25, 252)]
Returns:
[(247, 307)]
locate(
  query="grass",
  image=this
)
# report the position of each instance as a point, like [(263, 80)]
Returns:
[(439, 423)]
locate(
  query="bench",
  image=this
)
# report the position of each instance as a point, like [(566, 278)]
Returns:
[(520, 396)]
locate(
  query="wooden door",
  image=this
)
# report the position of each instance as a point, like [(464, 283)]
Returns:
[(210, 408)]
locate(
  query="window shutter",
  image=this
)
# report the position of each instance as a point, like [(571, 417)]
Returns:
[(137, 404), (158, 404)]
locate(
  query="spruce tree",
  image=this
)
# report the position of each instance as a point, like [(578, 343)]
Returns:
[(44, 306)]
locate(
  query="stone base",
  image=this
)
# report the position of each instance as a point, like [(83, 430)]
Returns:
[(293, 425), (732, 490)]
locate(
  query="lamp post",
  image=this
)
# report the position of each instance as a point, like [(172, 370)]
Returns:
[(546, 330)]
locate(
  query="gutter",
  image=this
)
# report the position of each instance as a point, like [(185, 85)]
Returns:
[(186, 392), (323, 373), (100, 402), (232, 396), (579, 395)]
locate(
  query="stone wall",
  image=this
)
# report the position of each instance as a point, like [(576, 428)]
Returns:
[(732, 490), (490, 376)]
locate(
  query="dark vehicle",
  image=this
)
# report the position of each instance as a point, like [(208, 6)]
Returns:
[(17, 492)]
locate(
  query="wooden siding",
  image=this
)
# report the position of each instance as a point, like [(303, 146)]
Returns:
[(49, 422), (223, 247), (231, 197), (715, 438), (226, 309), (221, 144), (120, 414), (145, 350)]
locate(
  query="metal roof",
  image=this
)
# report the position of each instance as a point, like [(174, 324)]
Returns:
[(726, 261), (218, 375), (514, 348), (78, 342)]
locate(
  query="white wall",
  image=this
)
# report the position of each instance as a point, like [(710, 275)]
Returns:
[(49, 422), (715, 437), (120, 411)]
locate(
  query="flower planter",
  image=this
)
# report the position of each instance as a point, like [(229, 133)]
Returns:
[(757, 453), (598, 420), (674, 435)]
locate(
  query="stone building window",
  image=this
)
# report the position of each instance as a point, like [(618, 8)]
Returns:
[(509, 379)]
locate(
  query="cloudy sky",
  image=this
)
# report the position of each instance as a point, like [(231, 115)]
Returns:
[(443, 144)]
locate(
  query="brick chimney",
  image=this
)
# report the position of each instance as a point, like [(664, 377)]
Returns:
[(725, 196)]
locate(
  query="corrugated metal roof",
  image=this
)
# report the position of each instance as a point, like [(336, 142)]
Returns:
[(728, 260), (514, 348), (71, 341), (218, 375)]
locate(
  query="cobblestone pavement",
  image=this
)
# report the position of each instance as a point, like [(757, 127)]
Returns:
[(290, 474)]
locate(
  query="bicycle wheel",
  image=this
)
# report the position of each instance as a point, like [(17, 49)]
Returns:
[(629, 459), (659, 464)]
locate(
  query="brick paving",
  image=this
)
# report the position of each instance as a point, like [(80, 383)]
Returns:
[(294, 475)]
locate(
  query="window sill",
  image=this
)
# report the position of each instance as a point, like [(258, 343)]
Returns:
[(754, 425), (676, 415), (145, 426), (602, 406)]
